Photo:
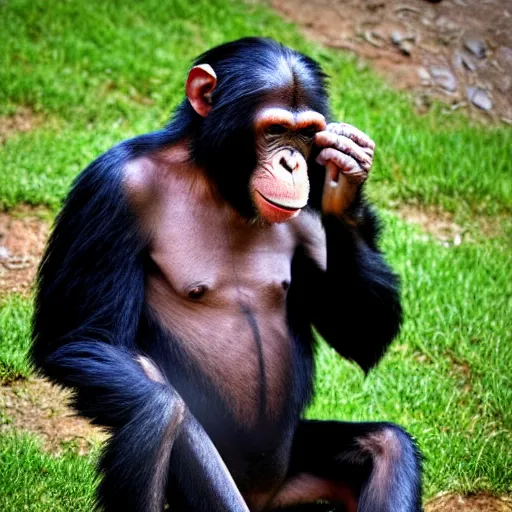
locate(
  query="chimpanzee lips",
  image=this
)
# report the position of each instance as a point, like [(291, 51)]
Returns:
[(284, 204), (274, 211)]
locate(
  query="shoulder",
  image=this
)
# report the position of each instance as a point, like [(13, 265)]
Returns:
[(145, 177)]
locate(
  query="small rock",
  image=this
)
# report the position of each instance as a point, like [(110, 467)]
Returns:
[(4, 253), (457, 60), (476, 46), (443, 77), (423, 75), (406, 47), (422, 103), (479, 98), (462, 59), (505, 55), (503, 83), (396, 37), (468, 63), (446, 24)]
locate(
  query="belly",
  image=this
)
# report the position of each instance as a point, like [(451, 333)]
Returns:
[(243, 349)]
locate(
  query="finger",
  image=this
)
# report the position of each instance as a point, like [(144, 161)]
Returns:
[(368, 151), (329, 139), (351, 132), (344, 162), (338, 194)]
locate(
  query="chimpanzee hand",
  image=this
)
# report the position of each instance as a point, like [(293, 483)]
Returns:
[(348, 156)]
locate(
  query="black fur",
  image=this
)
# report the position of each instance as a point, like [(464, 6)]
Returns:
[(91, 321), (370, 300), (332, 449)]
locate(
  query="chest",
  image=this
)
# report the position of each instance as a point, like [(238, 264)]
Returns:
[(212, 255)]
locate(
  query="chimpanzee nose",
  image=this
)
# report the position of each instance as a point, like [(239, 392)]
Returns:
[(289, 164)]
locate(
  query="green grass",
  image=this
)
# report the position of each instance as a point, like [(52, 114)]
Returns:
[(97, 72), (15, 313), (35, 481)]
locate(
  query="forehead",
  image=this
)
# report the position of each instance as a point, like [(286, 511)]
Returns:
[(288, 82)]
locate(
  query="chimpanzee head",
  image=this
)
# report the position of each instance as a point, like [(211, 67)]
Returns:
[(256, 108)]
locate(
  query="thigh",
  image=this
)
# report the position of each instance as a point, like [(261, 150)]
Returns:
[(368, 467)]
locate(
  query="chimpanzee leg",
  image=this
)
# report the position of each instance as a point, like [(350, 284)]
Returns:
[(365, 467), (199, 480), (154, 435)]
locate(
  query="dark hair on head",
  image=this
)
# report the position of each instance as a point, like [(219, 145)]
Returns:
[(250, 68)]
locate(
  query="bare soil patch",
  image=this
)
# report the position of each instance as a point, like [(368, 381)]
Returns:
[(39, 407), (24, 120), (442, 225), (457, 50), (472, 503), (23, 234), (434, 221)]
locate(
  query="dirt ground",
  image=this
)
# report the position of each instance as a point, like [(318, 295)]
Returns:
[(459, 51), (473, 503), (39, 407), (23, 235), (24, 120)]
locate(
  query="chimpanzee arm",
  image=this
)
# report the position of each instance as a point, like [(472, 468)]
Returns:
[(89, 301), (354, 294), (354, 303)]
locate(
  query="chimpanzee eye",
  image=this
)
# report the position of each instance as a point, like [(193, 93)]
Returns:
[(276, 129), (308, 132)]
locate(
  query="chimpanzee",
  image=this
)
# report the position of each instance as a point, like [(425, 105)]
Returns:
[(181, 284)]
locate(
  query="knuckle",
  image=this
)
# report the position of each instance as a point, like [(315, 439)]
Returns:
[(333, 137), (342, 144)]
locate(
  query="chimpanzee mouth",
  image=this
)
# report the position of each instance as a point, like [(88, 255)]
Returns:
[(280, 205)]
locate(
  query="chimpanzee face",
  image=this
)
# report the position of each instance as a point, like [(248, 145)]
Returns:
[(279, 185)]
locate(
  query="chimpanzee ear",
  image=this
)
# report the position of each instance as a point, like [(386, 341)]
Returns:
[(201, 82)]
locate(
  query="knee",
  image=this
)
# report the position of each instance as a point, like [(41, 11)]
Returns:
[(150, 369), (390, 442)]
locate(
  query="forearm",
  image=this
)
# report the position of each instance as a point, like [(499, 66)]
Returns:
[(358, 308)]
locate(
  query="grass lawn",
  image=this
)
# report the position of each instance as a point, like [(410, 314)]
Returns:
[(89, 74)]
